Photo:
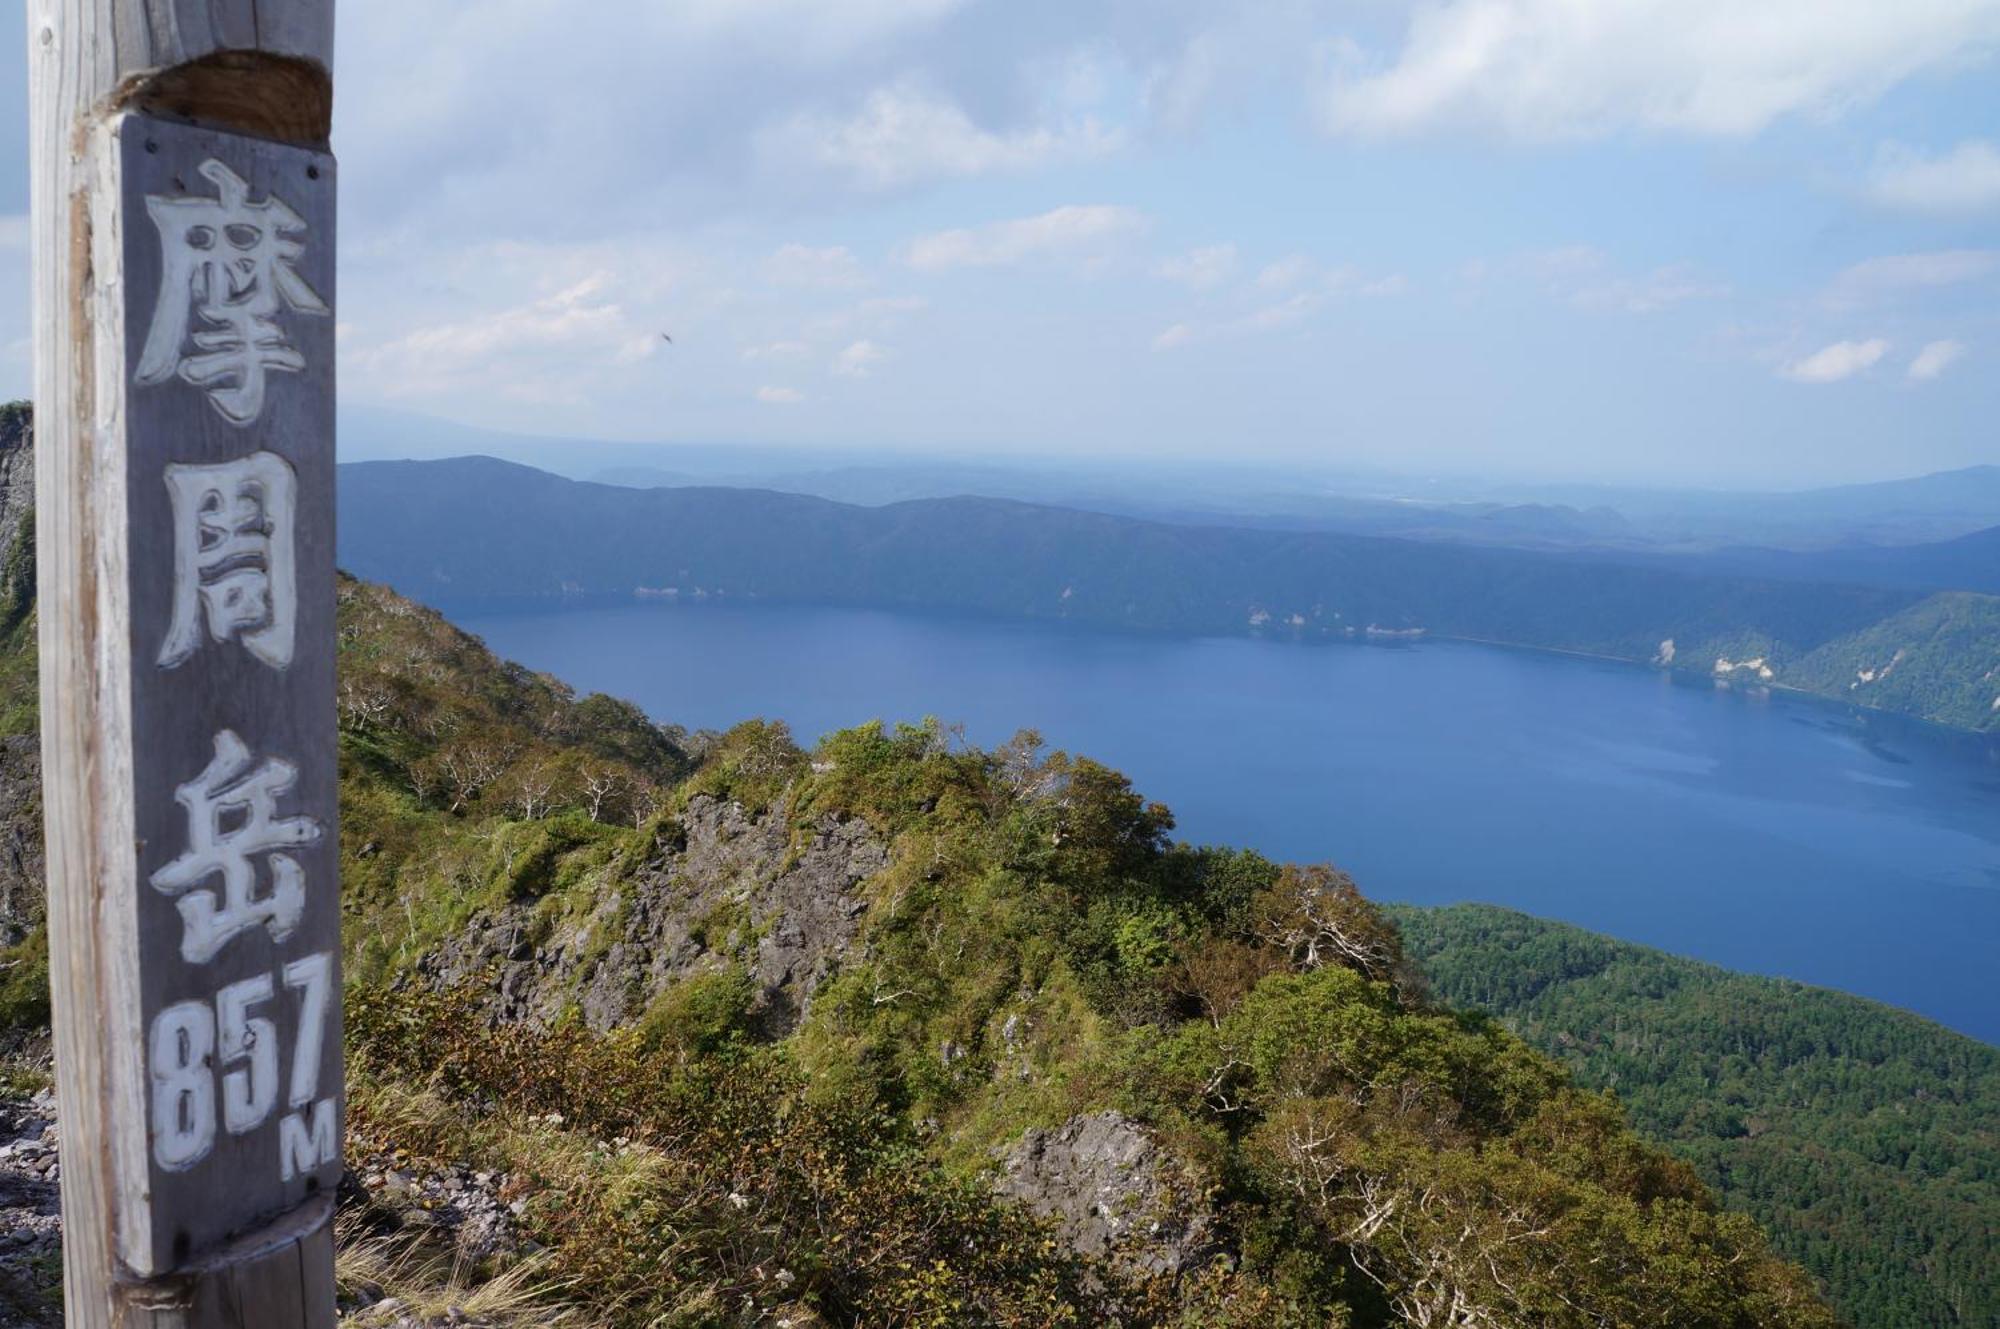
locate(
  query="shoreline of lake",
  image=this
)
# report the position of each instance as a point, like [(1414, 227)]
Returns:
[(642, 598)]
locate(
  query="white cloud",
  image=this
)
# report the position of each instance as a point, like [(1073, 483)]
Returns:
[(1198, 58), (1288, 313), (1935, 358), (1077, 232), (1831, 364), (1286, 273), (773, 349), (1555, 69), (812, 33), (865, 320), (1662, 288), (773, 396), (1898, 274), (653, 124), (1284, 294), (530, 352), (1586, 278), (1570, 263), (884, 308), (1273, 318), (832, 268), (859, 359), (1178, 91), (1201, 269), (1963, 181), (904, 135), (1296, 272)]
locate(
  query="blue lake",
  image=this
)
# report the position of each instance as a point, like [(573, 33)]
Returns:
[(1770, 834)]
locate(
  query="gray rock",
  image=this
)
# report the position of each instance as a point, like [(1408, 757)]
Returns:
[(733, 889), (1115, 1193), (30, 1215)]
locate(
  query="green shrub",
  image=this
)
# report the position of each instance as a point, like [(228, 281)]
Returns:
[(701, 1015), (24, 983)]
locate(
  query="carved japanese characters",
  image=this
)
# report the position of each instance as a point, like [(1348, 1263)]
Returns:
[(228, 271), (234, 558), (232, 819), (229, 488)]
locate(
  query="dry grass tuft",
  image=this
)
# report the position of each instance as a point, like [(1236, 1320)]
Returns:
[(431, 1286)]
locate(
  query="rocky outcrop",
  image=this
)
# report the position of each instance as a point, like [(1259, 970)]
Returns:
[(1115, 1193), (30, 1214), (21, 888), (732, 888)]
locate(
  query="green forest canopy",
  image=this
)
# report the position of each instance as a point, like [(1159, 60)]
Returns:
[(1865, 1139)]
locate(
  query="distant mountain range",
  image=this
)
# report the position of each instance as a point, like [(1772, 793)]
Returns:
[(1914, 510), (1968, 563), (477, 531), (1252, 494)]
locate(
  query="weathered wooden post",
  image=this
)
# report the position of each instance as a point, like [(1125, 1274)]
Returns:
[(183, 249)]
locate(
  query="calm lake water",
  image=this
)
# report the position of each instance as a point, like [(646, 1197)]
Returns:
[(1774, 835)]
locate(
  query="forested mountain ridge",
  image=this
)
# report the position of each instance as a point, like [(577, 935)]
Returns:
[(1968, 562), (1866, 1140), (1244, 492), (475, 530), (899, 1031)]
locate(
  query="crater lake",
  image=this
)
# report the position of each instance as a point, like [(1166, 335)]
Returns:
[(1763, 832)]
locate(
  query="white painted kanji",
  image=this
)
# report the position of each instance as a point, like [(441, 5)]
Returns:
[(235, 558), (232, 820), (227, 271)]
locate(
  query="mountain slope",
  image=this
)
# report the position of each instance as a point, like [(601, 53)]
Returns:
[(476, 530), (1939, 659), (1968, 563), (1865, 1139)]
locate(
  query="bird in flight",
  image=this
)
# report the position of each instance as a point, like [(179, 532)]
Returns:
[(665, 338)]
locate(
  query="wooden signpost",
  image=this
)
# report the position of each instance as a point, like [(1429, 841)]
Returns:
[(184, 286)]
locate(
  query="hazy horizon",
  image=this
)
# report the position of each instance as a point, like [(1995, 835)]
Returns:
[(362, 429)]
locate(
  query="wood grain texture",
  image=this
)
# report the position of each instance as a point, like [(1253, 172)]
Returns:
[(84, 57), (246, 92), (128, 37), (274, 1280), (77, 592)]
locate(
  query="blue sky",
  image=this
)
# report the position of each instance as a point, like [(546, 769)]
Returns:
[(1730, 242)]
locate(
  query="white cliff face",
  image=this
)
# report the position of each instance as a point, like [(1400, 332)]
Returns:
[(1876, 675), (1725, 668)]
